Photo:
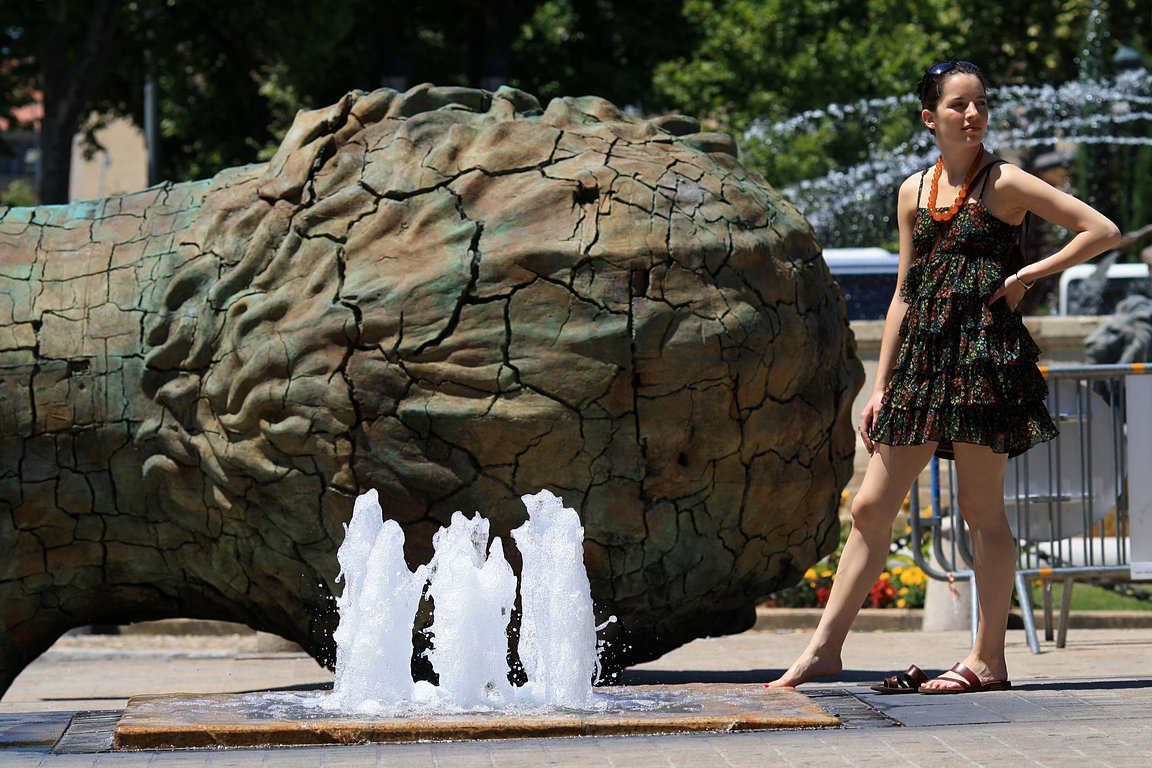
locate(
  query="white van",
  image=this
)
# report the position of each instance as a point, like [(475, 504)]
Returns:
[(867, 279), (1084, 292)]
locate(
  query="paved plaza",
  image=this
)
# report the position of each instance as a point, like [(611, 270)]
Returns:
[(1088, 704)]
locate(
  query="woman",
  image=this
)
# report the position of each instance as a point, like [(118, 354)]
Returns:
[(957, 372)]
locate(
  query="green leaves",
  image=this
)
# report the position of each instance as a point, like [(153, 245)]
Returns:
[(233, 74)]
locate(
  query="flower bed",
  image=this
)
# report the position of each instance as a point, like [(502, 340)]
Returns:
[(901, 585)]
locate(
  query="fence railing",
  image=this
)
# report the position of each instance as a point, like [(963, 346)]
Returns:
[(1080, 506)]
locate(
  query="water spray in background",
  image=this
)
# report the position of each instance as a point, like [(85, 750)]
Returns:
[(854, 206)]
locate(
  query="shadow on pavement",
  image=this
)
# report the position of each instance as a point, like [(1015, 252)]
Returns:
[(682, 676), (1103, 684)]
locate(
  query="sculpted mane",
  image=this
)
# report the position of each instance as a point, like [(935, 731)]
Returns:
[(250, 356)]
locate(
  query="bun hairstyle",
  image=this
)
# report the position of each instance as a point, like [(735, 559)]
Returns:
[(931, 85)]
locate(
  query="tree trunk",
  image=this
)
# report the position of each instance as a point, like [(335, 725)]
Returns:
[(68, 76)]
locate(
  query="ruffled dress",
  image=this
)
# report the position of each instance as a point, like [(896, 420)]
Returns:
[(966, 371)]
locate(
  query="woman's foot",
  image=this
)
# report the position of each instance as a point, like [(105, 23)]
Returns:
[(807, 668), (988, 677)]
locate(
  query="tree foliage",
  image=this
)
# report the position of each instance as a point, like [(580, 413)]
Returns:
[(231, 75), (778, 57), (772, 59), (602, 47), (54, 48)]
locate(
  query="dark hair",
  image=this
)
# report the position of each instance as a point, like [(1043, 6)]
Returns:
[(931, 85)]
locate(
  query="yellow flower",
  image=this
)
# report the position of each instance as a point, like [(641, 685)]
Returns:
[(845, 497), (913, 577), (902, 591), (810, 574), (901, 603), (825, 574), (885, 576), (897, 570)]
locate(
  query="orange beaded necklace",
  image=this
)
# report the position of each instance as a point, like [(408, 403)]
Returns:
[(960, 198)]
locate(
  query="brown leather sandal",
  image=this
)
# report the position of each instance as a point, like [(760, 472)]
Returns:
[(905, 682), (969, 683)]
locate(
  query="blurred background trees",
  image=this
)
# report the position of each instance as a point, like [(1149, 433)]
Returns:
[(227, 77)]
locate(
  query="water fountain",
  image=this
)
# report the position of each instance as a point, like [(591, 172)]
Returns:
[(473, 589), (473, 592)]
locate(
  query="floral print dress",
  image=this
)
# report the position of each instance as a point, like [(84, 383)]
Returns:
[(966, 371)]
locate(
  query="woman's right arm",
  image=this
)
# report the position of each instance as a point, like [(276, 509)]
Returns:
[(906, 209)]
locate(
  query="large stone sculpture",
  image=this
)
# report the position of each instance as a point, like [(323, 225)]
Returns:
[(454, 297)]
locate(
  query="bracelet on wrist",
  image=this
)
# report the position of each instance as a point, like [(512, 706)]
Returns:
[(1026, 285)]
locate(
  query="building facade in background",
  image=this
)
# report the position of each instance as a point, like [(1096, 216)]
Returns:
[(119, 167)]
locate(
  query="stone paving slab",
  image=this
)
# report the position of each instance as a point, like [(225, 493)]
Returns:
[(1065, 700), (88, 733), (34, 730)]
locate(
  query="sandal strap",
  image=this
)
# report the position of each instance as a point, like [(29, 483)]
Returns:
[(912, 679), (968, 675), (917, 675)]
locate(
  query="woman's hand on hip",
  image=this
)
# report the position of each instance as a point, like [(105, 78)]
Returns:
[(1012, 291), (867, 418)]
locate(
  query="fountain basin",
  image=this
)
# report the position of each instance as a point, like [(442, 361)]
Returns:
[(288, 718)]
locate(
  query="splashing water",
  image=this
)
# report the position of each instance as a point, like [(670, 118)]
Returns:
[(374, 638), (473, 595), (557, 631), (473, 590)]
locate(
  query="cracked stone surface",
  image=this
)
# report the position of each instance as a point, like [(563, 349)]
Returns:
[(454, 297)]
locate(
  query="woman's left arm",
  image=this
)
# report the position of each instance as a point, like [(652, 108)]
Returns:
[(1018, 192)]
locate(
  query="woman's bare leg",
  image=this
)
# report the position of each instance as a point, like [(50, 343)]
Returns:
[(980, 495), (890, 473)]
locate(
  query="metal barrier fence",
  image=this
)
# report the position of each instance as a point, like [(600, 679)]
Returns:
[(1080, 506)]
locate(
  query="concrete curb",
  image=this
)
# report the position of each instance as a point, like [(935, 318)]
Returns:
[(869, 620), (265, 641), (185, 627)]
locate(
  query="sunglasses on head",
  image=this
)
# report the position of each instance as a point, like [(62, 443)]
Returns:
[(947, 66)]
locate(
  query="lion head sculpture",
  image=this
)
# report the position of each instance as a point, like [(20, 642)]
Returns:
[(457, 297)]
